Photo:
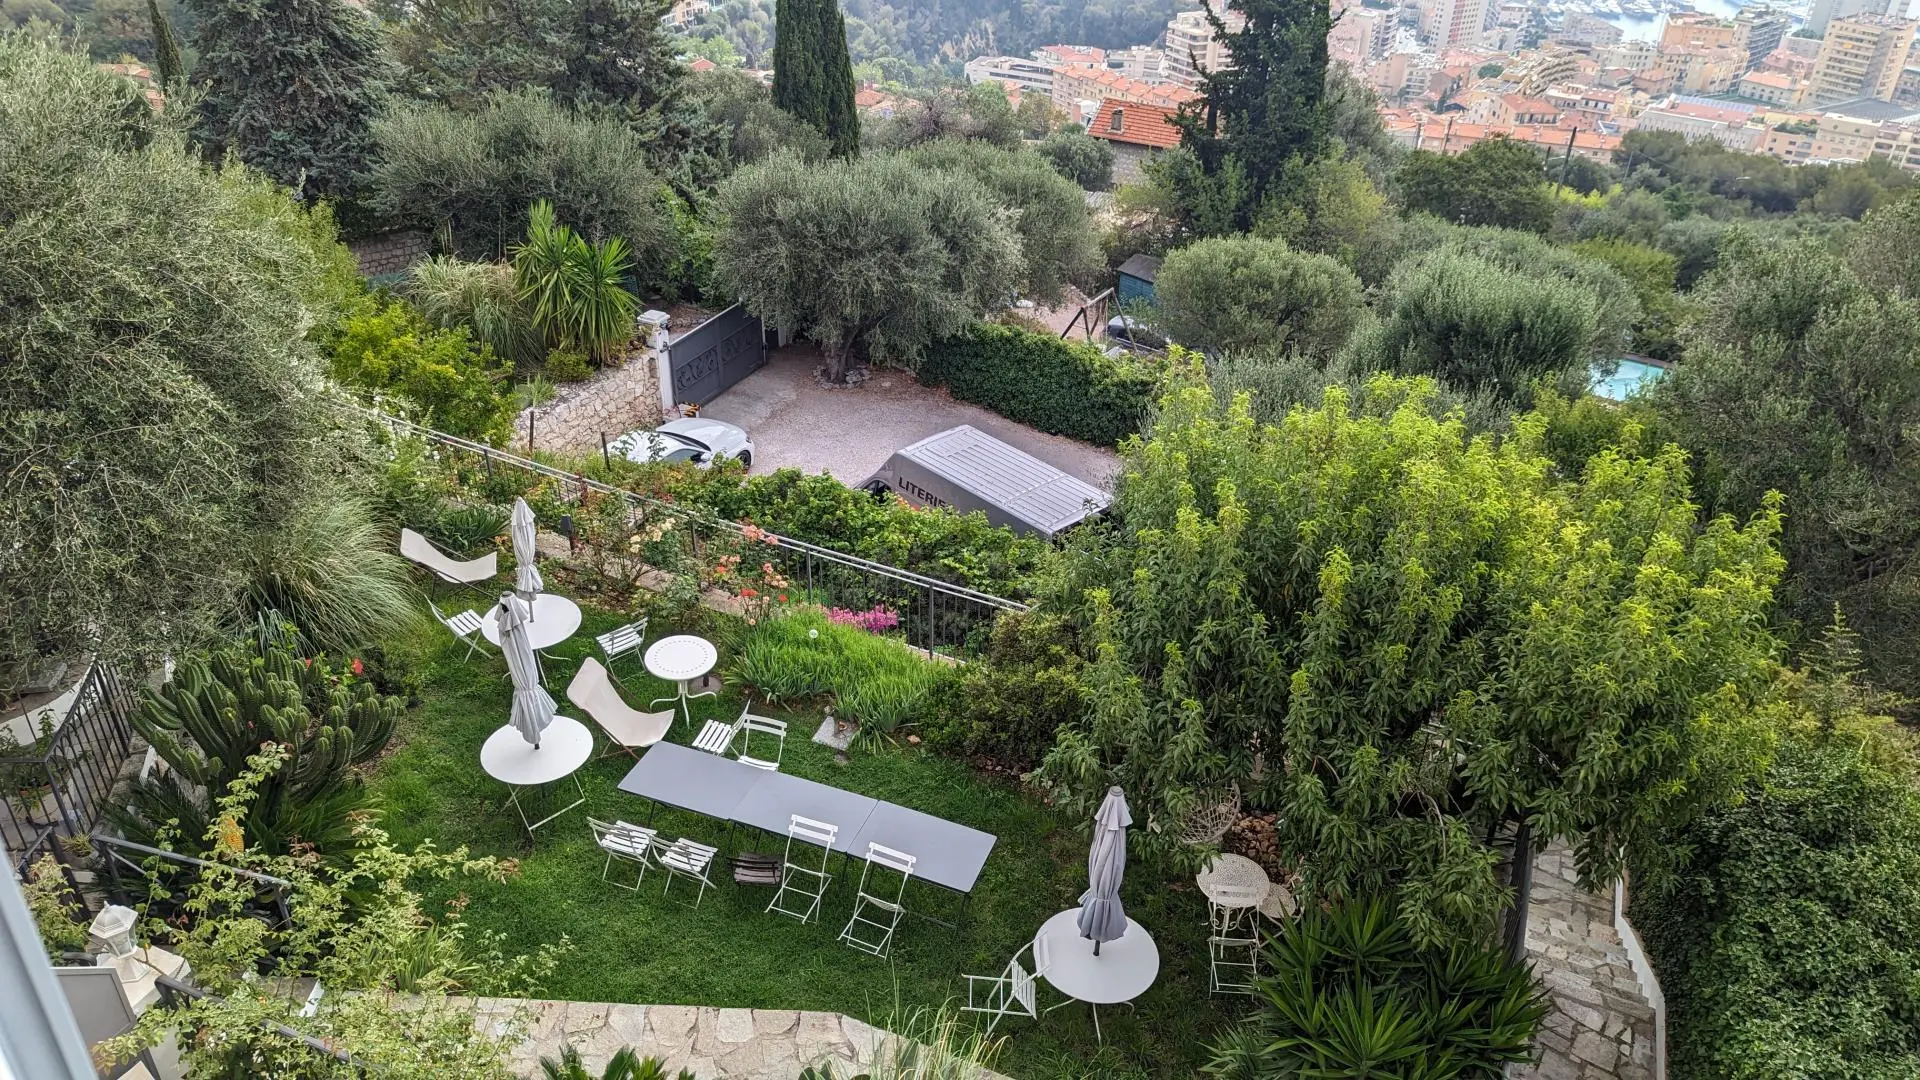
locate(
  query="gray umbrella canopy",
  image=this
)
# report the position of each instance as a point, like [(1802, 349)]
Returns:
[(1101, 916), (525, 555), (533, 707)]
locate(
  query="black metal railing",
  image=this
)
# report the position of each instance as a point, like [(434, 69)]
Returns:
[(125, 862), (175, 994), (55, 787), (934, 614)]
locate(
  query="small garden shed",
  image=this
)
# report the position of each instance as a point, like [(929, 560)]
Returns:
[(1136, 278)]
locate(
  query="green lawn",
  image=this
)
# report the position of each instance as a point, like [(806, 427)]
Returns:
[(643, 948)]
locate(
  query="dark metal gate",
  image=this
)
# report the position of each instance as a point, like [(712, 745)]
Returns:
[(715, 355)]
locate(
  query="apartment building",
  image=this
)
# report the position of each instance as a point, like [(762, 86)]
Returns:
[(1458, 24), (1862, 56), (1699, 69), (1142, 62), (1634, 56), (1079, 91), (1772, 87), (1361, 34), (1693, 28), (1012, 71), (1765, 28), (1071, 56), (1824, 13), (1732, 125), (1193, 48)]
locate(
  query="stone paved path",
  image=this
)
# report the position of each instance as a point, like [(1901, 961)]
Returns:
[(716, 1044), (1602, 1026)]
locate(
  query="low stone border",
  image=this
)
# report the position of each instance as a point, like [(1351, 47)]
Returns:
[(715, 1044)]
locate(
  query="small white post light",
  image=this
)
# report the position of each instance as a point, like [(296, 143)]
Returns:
[(114, 927)]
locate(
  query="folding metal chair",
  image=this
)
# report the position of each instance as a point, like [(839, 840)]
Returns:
[(1010, 993), (465, 626), (717, 736), (806, 884), (626, 842), (875, 917), (1232, 963), (625, 641), (688, 859), (749, 724)]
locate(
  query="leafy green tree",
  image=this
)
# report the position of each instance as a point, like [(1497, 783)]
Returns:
[(471, 177), (145, 295), (1495, 182), (1268, 107), (1347, 992), (1885, 250), (166, 52), (1326, 205), (1615, 307), (292, 87), (1786, 946), (1056, 232), (1242, 293), (601, 56), (978, 113), (1473, 324), (876, 257), (1080, 157), (1800, 379), (749, 127), (1407, 640), (812, 74), (1652, 273)]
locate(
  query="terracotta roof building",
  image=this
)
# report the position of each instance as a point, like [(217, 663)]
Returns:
[(1074, 85), (1136, 132)]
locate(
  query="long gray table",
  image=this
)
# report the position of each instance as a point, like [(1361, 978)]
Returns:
[(773, 802), (707, 784), (945, 853)]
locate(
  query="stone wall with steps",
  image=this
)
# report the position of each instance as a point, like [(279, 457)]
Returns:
[(1603, 1025), (714, 1044)]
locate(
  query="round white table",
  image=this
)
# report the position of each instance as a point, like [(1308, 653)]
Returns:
[(1123, 970), (680, 659), (1232, 884), (555, 619), (509, 758)]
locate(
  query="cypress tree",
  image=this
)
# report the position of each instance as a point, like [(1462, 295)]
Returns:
[(812, 73), (292, 87), (166, 51)]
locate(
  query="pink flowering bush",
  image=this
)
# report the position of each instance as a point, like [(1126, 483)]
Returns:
[(877, 621)]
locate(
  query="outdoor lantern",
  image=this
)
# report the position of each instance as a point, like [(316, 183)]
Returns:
[(114, 925)]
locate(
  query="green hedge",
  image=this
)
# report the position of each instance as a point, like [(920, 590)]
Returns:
[(1063, 387)]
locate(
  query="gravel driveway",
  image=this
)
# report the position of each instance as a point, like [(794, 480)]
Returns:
[(795, 422)]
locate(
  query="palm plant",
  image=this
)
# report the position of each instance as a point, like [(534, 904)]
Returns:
[(574, 289), (1350, 994), (481, 296), (624, 1065)]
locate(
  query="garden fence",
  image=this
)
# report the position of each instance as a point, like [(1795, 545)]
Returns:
[(131, 869), (56, 789), (935, 615)]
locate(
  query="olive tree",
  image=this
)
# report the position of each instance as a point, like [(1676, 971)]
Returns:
[(1412, 643), (1050, 212), (161, 409), (1240, 292), (876, 256)]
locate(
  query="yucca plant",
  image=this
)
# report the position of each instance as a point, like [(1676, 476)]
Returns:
[(574, 290), (625, 1064), (1350, 994)]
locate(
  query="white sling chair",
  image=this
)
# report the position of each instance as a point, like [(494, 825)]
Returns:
[(628, 728), (470, 573)]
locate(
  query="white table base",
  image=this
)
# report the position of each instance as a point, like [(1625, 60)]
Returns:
[(1123, 969)]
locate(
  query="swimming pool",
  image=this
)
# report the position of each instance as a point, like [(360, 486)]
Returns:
[(1630, 378)]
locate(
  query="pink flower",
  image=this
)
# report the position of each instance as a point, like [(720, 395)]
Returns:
[(358, 667)]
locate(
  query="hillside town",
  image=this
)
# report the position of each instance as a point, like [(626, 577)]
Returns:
[(1837, 83)]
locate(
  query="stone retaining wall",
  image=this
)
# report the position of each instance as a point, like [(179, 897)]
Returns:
[(615, 401), (389, 253)]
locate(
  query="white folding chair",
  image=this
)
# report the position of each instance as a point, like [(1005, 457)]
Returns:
[(470, 573), (1010, 993), (625, 641), (717, 736), (465, 626), (626, 842), (689, 859), (803, 886), (1232, 963), (627, 728), (875, 917), (766, 726)]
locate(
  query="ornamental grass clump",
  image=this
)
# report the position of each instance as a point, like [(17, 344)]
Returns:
[(876, 681)]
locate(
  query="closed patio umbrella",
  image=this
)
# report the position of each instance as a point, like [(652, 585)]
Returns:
[(525, 555), (1101, 916), (533, 707)]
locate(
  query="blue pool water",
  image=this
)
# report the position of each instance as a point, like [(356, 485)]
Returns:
[(1632, 376)]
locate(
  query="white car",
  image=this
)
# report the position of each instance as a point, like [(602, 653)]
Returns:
[(692, 439)]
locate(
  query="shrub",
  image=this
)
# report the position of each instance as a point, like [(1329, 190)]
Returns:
[(1241, 292), (1008, 703), (1349, 994), (388, 347), (1049, 211), (1079, 157), (877, 681), (1061, 387), (573, 287), (480, 296), (567, 366), (329, 571)]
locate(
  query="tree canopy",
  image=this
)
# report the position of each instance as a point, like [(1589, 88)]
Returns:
[(812, 75), (1242, 293), (1407, 640), (1495, 182), (1050, 212)]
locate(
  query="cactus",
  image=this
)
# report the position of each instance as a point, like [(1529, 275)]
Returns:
[(217, 710)]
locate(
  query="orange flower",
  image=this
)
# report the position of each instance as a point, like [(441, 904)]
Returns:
[(748, 594), (358, 667)]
